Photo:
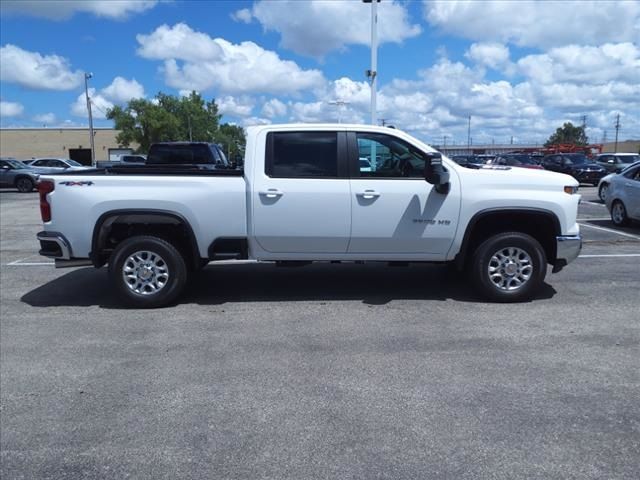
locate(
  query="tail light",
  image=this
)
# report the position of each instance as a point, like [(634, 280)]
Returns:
[(45, 187)]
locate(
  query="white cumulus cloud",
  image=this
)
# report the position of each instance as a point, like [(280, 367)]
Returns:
[(235, 106), (274, 108), (122, 90), (536, 24), (64, 9), (243, 15), (99, 105), (45, 118), (316, 27), (36, 71), (195, 61), (10, 109), (489, 54)]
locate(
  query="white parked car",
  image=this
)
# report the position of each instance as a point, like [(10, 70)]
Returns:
[(623, 196), (305, 196), (60, 164)]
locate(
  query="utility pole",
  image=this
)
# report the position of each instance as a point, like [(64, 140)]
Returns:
[(615, 149), (372, 74), (469, 135), (604, 137), (584, 128), (444, 142), (189, 123), (87, 76)]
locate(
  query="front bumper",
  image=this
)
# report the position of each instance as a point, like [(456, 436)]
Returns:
[(567, 250), (592, 177)]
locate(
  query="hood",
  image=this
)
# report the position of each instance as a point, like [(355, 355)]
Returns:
[(514, 177)]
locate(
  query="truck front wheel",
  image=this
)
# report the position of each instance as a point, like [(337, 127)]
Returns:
[(147, 272), (509, 267)]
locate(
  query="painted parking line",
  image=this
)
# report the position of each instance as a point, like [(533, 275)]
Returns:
[(593, 203), (608, 255), (610, 230)]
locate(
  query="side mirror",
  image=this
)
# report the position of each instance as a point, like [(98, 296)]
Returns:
[(435, 174)]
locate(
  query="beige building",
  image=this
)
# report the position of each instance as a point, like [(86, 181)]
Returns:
[(73, 143), (629, 146)]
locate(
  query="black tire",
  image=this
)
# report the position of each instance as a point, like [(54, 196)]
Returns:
[(602, 192), (25, 184), (502, 285), (168, 275), (619, 215)]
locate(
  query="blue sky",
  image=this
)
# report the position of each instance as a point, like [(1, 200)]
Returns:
[(518, 68)]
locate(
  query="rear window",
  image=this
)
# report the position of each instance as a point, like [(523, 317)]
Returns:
[(302, 155), (181, 154)]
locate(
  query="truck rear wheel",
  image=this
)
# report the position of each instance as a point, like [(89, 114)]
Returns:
[(147, 272), (509, 267)]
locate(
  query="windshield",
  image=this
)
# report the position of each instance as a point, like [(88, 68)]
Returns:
[(577, 158), (629, 159), (73, 163), (15, 164)]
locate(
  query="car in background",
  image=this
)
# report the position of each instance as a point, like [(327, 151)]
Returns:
[(521, 160), (603, 185), (616, 162), (14, 173), (468, 161), (365, 164), (575, 164), (129, 159), (136, 159), (56, 164), (623, 196)]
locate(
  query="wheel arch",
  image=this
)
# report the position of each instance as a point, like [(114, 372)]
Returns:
[(162, 223), (541, 224)]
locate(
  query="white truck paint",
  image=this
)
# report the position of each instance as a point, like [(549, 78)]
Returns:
[(316, 219)]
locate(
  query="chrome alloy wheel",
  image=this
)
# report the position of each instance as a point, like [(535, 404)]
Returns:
[(510, 268), (617, 213), (145, 272)]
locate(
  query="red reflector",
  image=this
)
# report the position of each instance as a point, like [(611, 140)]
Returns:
[(45, 187)]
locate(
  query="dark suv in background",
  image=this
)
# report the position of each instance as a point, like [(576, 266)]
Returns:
[(575, 164)]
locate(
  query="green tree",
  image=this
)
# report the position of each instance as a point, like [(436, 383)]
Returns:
[(568, 133), (167, 118), (232, 140)]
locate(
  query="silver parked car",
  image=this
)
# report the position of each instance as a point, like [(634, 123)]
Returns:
[(603, 185), (56, 164), (623, 196), (14, 173)]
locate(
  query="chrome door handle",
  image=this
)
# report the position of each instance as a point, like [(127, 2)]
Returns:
[(369, 194), (272, 193)]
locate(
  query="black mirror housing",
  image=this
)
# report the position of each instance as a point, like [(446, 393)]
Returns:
[(435, 173)]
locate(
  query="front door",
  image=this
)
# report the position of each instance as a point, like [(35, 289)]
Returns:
[(395, 211), (301, 201)]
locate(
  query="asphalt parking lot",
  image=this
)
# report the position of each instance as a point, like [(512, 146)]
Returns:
[(326, 371)]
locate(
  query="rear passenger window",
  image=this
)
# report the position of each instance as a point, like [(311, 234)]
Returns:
[(302, 154)]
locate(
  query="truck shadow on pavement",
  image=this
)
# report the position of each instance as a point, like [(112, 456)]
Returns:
[(373, 284)]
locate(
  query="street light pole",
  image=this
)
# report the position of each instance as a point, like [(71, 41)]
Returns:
[(87, 76), (373, 73)]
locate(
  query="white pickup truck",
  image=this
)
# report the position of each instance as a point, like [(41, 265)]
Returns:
[(305, 196)]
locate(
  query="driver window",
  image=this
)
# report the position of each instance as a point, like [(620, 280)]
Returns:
[(384, 156)]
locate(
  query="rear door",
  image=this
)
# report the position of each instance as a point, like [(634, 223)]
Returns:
[(301, 199), (395, 211)]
